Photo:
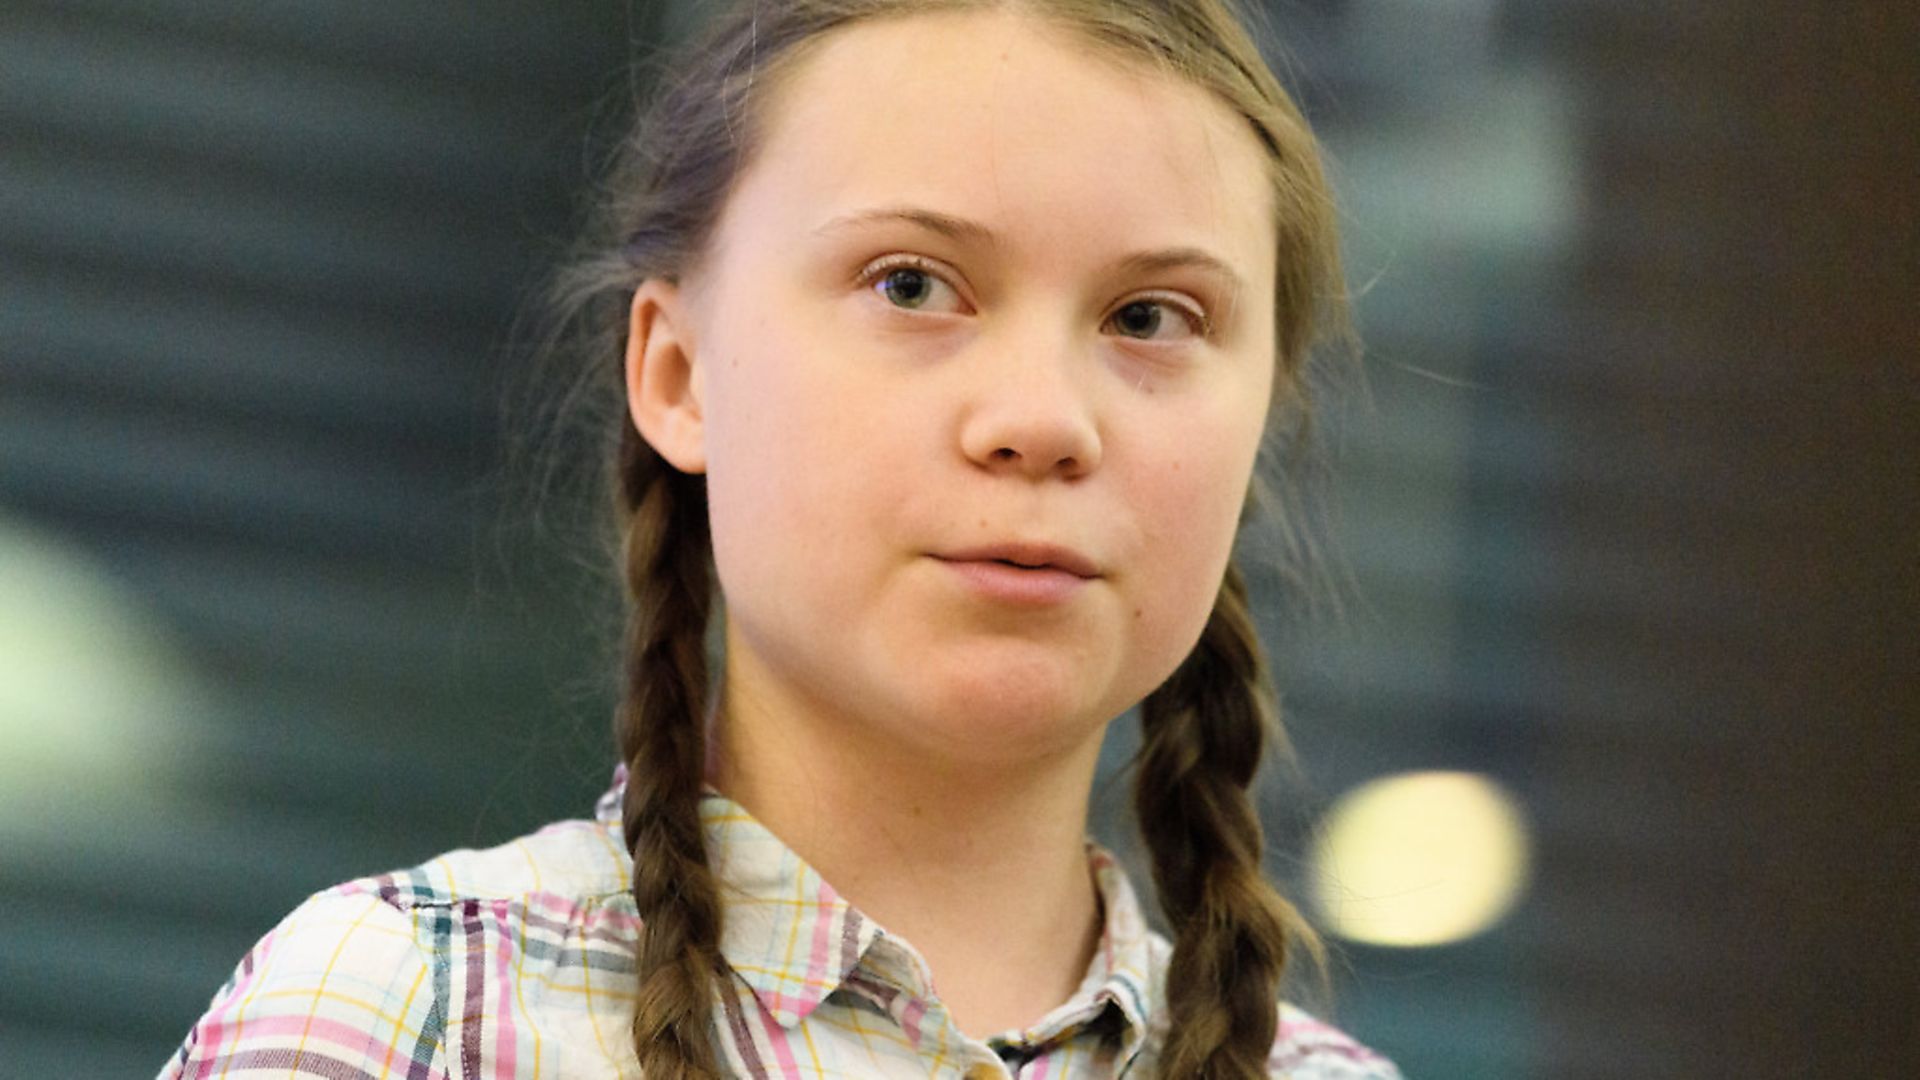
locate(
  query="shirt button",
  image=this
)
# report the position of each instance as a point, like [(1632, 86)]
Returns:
[(984, 1071)]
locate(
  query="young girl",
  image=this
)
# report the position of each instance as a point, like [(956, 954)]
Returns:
[(948, 334)]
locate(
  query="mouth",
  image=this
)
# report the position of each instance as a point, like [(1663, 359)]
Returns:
[(1024, 556)]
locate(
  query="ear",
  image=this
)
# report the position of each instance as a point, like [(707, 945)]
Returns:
[(664, 379)]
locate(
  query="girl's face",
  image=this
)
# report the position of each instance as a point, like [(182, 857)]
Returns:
[(983, 294)]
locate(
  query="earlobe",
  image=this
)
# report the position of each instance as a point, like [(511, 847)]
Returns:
[(663, 376)]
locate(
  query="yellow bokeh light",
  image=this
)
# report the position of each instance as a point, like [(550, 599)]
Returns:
[(1419, 859), (94, 695)]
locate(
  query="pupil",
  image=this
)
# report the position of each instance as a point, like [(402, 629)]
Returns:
[(908, 288), (1140, 318)]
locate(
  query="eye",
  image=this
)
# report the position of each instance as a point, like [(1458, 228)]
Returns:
[(912, 284), (1154, 319)]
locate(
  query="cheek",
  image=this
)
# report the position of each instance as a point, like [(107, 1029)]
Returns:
[(792, 478), (1191, 499)]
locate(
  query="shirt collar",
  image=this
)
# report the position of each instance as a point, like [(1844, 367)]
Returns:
[(1122, 969), (793, 939), (784, 930)]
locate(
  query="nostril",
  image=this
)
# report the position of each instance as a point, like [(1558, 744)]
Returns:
[(1006, 453)]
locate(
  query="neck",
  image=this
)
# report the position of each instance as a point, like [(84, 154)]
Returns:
[(983, 870)]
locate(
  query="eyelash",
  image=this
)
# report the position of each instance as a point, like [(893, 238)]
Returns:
[(871, 274), (1197, 318)]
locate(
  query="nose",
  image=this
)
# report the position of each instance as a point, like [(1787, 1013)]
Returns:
[(1032, 415)]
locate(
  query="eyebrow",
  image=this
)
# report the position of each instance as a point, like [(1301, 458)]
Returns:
[(953, 228), (961, 230)]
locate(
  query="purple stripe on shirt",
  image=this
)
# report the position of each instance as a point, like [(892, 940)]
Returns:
[(849, 940), (277, 1058), (473, 1014), (742, 1035)]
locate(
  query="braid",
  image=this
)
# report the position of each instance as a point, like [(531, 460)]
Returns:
[(661, 733), (1204, 733)]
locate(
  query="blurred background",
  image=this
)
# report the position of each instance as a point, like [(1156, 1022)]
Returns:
[(1609, 771)]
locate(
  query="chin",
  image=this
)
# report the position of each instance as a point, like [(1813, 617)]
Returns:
[(1009, 711)]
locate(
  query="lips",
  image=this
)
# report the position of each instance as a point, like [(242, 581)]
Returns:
[(1028, 556)]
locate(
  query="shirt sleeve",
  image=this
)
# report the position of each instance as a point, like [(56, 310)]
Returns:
[(341, 989), (1307, 1048)]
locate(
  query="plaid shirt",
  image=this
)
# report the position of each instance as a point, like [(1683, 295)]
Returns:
[(518, 961)]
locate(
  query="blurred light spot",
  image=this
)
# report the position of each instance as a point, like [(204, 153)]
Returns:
[(92, 693), (1419, 859)]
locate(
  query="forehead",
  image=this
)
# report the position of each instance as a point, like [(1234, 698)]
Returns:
[(1014, 123)]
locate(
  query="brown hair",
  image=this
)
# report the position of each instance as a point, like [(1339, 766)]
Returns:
[(1205, 728)]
